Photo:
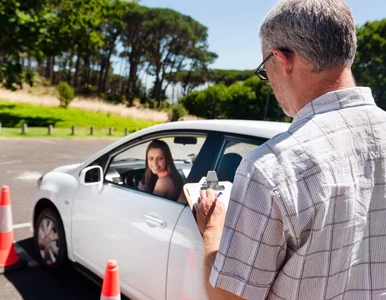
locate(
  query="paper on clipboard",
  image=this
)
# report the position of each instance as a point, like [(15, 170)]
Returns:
[(192, 192)]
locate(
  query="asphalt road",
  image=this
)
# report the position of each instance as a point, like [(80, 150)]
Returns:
[(22, 161)]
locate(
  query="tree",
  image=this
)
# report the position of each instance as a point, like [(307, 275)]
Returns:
[(136, 40), (112, 29), (208, 103), (174, 39), (241, 103), (66, 94), (228, 77), (369, 67), (20, 29)]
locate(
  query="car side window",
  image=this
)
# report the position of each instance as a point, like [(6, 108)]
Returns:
[(127, 168), (233, 152)]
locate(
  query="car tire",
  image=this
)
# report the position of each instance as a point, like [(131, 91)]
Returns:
[(50, 241)]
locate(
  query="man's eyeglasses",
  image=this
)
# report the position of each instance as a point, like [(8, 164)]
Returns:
[(260, 70)]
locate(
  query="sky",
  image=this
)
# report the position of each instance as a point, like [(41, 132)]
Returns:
[(233, 25)]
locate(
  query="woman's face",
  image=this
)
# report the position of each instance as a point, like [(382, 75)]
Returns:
[(156, 161)]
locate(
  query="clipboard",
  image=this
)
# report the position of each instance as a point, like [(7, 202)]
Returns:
[(192, 190)]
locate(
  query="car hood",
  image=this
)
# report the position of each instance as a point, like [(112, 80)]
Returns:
[(67, 168)]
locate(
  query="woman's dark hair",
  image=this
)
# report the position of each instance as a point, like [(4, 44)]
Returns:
[(151, 179)]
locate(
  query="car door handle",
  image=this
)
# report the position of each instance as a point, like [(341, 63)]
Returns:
[(150, 220)]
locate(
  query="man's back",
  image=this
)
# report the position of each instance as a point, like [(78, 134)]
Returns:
[(328, 177)]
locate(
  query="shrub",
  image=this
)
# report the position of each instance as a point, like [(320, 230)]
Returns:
[(86, 90), (153, 104), (208, 102), (241, 103), (176, 112), (46, 82), (189, 102), (66, 94), (114, 98), (164, 106)]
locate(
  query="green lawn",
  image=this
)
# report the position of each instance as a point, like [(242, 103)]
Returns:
[(13, 115)]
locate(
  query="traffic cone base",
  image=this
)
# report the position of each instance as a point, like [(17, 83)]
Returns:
[(9, 260), (8, 254), (110, 286)]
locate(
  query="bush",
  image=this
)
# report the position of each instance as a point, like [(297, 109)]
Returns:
[(209, 102), (86, 90), (241, 103), (164, 106), (153, 104), (189, 102), (46, 82), (66, 94), (176, 112), (114, 98)]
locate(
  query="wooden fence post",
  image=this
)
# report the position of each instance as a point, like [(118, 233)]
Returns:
[(126, 131), (92, 130), (73, 128), (50, 129), (24, 128), (111, 131)]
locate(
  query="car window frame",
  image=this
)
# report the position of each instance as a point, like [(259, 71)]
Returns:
[(143, 139), (237, 137)]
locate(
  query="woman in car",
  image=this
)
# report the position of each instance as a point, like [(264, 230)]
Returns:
[(161, 176)]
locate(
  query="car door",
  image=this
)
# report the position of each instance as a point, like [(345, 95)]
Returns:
[(127, 225), (186, 262), (114, 220)]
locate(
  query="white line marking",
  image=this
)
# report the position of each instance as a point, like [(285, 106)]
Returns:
[(22, 225), (29, 176), (10, 162), (46, 142)]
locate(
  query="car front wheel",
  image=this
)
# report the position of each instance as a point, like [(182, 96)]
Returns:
[(50, 241)]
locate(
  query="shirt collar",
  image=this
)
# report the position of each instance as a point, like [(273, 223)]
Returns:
[(350, 97)]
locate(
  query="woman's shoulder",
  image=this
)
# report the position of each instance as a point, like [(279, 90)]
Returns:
[(165, 180)]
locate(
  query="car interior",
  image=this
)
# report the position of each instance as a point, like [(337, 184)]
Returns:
[(129, 171), (126, 168), (228, 166)]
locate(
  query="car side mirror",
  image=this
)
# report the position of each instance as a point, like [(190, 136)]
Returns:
[(91, 175)]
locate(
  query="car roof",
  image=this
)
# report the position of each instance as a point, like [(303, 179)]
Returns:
[(263, 129)]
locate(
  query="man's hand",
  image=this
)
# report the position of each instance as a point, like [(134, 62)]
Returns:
[(210, 213), (210, 216)]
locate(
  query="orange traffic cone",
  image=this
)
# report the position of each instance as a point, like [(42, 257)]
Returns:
[(110, 287), (8, 258)]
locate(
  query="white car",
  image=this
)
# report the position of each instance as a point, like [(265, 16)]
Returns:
[(90, 212)]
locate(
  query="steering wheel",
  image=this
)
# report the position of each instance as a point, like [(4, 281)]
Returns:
[(133, 180), (137, 179), (129, 181)]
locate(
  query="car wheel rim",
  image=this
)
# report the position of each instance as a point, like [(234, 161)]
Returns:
[(48, 241)]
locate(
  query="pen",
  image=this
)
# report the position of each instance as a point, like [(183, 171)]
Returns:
[(219, 194)]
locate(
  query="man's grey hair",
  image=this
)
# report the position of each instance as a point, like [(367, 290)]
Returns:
[(320, 31)]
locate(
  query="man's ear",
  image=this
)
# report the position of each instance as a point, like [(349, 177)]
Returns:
[(285, 59)]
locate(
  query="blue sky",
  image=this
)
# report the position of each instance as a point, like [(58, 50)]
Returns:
[(233, 25)]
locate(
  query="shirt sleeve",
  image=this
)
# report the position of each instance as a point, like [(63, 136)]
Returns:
[(253, 244)]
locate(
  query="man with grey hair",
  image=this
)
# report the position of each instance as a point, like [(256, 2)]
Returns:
[(307, 214)]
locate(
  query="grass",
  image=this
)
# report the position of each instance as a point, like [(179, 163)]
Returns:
[(43, 96), (13, 115)]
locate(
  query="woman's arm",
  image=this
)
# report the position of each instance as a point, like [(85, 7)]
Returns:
[(163, 187), (141, 186)]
